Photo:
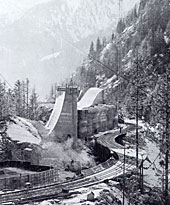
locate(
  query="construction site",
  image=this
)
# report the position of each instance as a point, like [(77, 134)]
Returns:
[(84, 120)]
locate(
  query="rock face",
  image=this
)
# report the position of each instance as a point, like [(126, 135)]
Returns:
[(74, 166), (90, 197), (95, 119)]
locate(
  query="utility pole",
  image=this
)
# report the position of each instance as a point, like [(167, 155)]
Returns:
[(137, 113), (124, 169), (167, 137), (73, 91), (119, 59), (141, 175), (167, 117)]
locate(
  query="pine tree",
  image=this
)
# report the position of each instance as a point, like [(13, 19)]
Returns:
[(10, 102), (33, 105), (6, 146), (104, 42), (23, 99), (2, 100), (27, 98), (55, 90), (158, 41), (120, 26), (98, 46), (18, 99), (139, 83), (52, 93), (113, 36), (91, 54), (131, 18)]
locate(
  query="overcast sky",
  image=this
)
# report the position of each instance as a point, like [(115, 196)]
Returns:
[(15, 8), (23, 43)]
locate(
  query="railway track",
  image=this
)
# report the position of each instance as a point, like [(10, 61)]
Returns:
[(56, 189)]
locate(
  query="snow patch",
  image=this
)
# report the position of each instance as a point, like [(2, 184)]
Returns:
[(133, 121), (109, 81), (130, 152), (128, 29), (153, 174), (50, 56), (23, 131), (116, 83)]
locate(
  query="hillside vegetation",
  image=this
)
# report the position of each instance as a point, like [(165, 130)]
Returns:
[(136, 56)]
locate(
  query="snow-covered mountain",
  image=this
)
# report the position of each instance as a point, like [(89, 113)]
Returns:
[(45, 40), (11, 10)]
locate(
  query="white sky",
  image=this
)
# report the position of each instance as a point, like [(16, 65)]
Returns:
[(13, 9)]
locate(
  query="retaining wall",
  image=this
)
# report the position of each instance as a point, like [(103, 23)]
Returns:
[(44, 175), (96, 119)]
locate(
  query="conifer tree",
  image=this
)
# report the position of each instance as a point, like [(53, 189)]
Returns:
[(10, 101), (33, 106), (18, 100), (27, 98), (2, 100), (120, 26), (23, 99), (91, 51), (52, 92), (104, 42), (98, 46)]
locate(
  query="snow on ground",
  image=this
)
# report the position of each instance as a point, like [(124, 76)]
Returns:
[(50, 56), (151, 150), (23, 131), (29, 126), (133, 121), (145, 126), (153, 170), (106, 50), (116, 83), (80, 199), (109, 81), (47, 105), (89, 98), (153, 174), (130, 152), (128, 29)]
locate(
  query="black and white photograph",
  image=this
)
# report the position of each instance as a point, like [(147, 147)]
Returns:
[(84, 102)]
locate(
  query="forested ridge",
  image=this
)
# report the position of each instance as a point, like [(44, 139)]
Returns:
[(133, 68), (136, 56)]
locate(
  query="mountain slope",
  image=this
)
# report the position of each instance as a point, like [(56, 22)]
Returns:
[(50, 27), (140, 39)]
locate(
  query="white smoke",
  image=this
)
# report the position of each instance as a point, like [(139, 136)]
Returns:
[(59, 154)]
